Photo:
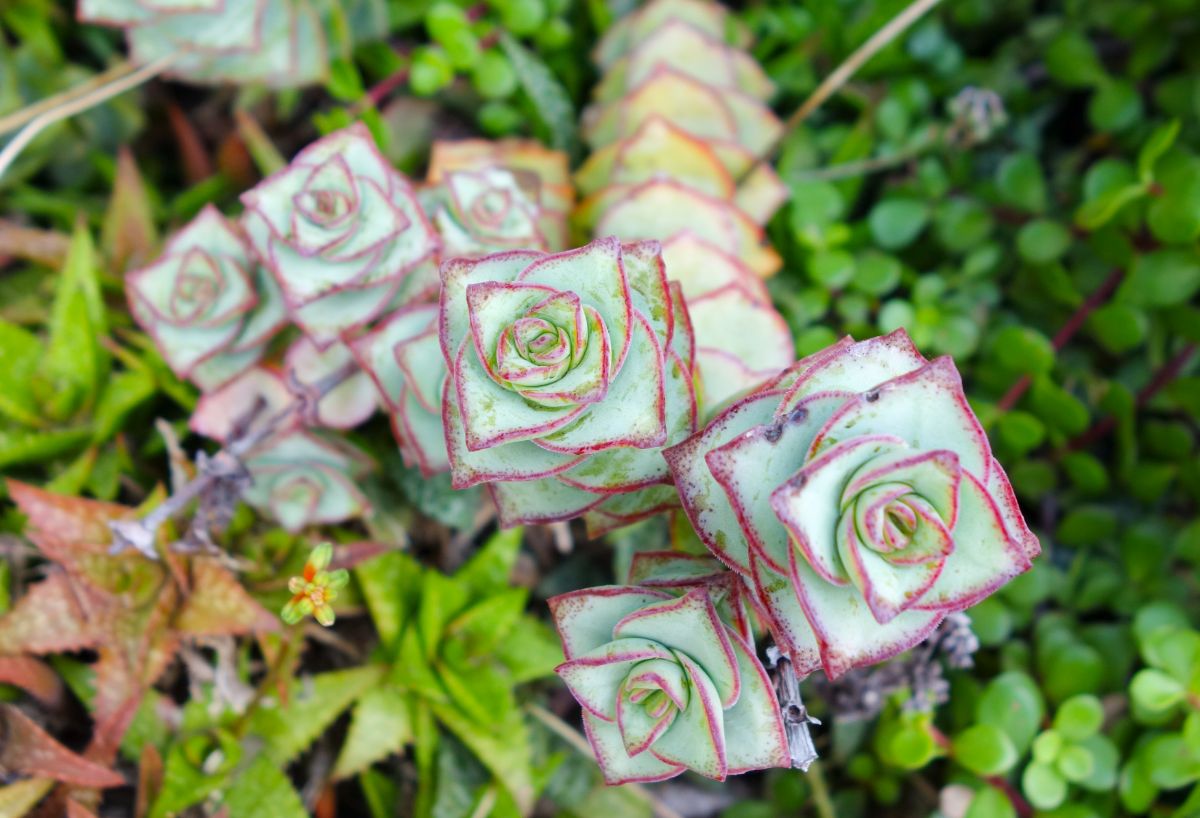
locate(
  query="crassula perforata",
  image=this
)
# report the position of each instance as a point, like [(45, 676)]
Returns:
[(858, 493), (206, 301), (678, 121), (297, 475), (343, 234), (279, 43), (568, 373), (666, 685)]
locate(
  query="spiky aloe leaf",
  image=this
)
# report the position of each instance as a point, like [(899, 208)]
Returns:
[(858, 492)]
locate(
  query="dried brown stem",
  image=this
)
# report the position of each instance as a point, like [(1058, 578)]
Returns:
[(795, 715), (226, 464), (842, 74)]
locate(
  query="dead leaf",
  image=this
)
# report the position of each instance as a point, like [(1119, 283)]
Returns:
[(30, 750), (35, 678), (128, 237)]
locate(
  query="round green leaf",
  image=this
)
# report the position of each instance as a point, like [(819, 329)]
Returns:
[(1115, 106), (1075, 763), (990, 802), (1020, 182), (831, 268), (1042, 241), (1022, 349), (1155, 691), (1043, 786), (896, 223), (985, 749), (1079, 717), (1162, 278)]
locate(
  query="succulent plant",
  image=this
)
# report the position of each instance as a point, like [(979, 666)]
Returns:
[(298, 476), (279, 43), (676, 126), (678, 573), (343, 234), (206, 301), (484, 211), (403, 358), (304, 479), (541, 174), (343, 406), (567, 376), (858, 492), (666, 685)]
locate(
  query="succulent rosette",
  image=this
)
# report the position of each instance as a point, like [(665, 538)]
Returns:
[(206, 302), (541, 175), (666, 685), (279, 43), (857, 491), (478, 212), (343, 234), (567, 376), (304, 479), (679, 573), (403, 357), (299, 477)]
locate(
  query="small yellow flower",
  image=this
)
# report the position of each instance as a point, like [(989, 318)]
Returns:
[(314, 592)]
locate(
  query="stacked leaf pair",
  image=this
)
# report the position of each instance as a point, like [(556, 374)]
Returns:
[(677, 124), (481, 197), (279, 43)]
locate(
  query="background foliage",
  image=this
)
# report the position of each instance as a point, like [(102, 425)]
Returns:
[(1052, 250)]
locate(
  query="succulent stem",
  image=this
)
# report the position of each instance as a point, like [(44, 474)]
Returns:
[(224, 466), (795, 715)]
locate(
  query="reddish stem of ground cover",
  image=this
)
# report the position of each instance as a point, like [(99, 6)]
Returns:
[(1161, 378), (1066, 333)]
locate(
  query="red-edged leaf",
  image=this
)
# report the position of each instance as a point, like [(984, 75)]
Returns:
[(219, 605), (30, 750), (48, 619), (32, 676), (65, 527)]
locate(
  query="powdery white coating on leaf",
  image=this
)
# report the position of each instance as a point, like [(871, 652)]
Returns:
[(860, 497), (302, 479), (340, 230), (676, 126), (666, 685), (275, 42), (565, 379), (204, 301), (349, 403), (260, 391)]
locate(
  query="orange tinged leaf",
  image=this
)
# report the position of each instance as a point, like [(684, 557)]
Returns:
[(30, 750)]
